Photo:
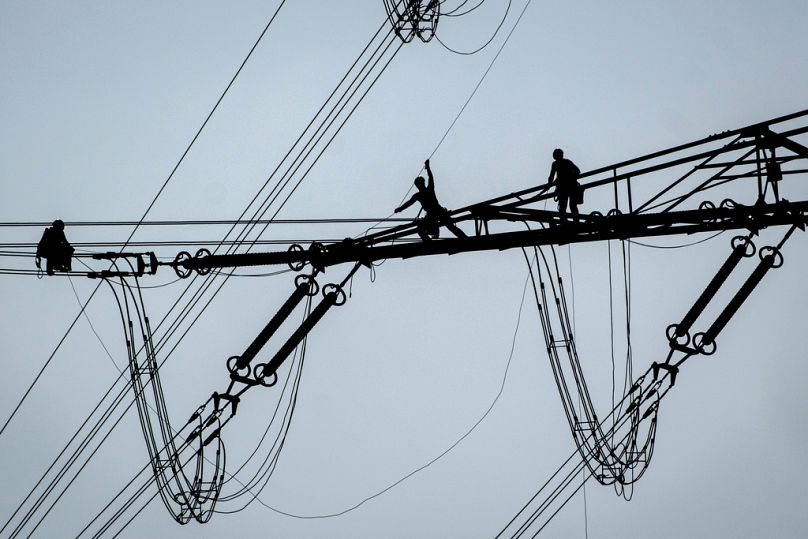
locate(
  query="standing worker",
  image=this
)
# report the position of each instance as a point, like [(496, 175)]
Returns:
[(774, 174), (565, 174), (435, 214), (55, 249)]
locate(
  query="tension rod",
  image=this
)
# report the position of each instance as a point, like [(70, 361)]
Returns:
[(333, 294), (770, 257), (740, 249), (301, 290)]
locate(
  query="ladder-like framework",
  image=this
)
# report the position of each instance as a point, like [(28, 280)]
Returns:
[(643, 206)]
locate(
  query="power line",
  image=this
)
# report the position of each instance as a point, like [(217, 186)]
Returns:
[(480, 82), (445, 451), (187, 329), (198, 222), (143, 217), (174, 243), (484, 45)]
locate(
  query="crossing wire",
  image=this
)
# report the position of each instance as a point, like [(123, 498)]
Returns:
[(298, 182), (444, 136), (143, 217), (370, 497), (343, 123), (240, 238), (106, 416), (197, 222)]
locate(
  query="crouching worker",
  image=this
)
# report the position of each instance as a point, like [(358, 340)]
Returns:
[(435, 214), (55, 249)]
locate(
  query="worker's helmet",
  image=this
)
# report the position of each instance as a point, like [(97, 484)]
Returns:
[(558, 153), (58, 224), (420, 182)]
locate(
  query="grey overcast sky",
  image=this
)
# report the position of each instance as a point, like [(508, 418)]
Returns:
[(99, 99)]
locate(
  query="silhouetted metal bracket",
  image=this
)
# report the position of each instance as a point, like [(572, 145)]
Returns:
[(138, 270), (411, 18)]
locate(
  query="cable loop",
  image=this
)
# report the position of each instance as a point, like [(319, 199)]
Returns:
[(335, 289), (774, 252), (296, 266), (746, 242), (303, 279), (266, 380), (202, 253), (595, 217), (704, 346), (729, 203), (234, 366), (707, 205), (672, 332), (181, 271)]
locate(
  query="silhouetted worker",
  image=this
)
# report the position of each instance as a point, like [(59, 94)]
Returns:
[(774, 174), (54, 248), (435, 214), (567, 189)]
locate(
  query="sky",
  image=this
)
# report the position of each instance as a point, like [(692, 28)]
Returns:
[(98, 101)]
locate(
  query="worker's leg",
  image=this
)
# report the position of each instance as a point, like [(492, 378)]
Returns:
[(562, 205), (421, 228), (574, 209), (447, 222)]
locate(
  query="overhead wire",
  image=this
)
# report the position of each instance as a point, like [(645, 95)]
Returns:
[(580, 465), (618, 417), (438, 457), (145, 214), (262, 474), (332, 139), (608, 455), (115, 404), (92, 328), (257, 214), (454, 12), (482, 78), (165, 183), (465, 105), (679, 246), (72, 459), (209, 282), (255, 494), (484, 45), (197, 222), (580, 403)]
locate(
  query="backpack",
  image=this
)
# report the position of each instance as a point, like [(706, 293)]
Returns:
[(578, 194)]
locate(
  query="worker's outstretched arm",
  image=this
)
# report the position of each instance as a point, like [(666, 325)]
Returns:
[(431, 182), (552, 173), (407, 204)]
